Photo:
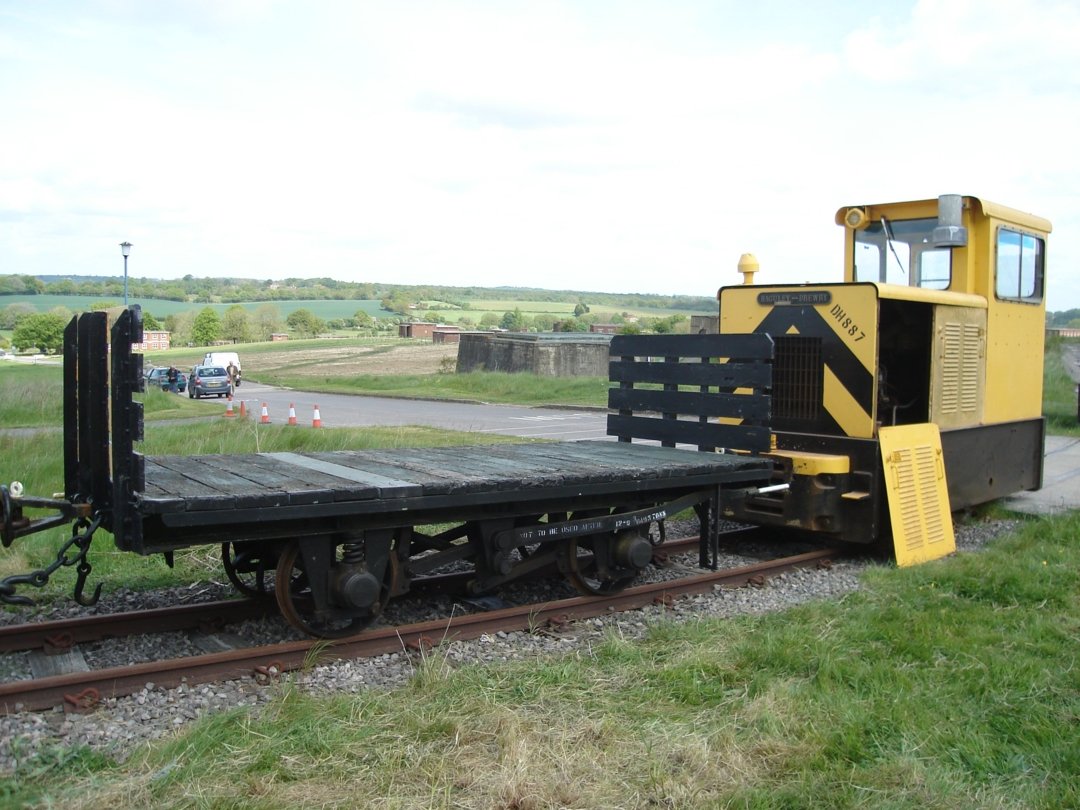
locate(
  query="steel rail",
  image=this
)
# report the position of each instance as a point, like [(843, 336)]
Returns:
[(83, 690), (64, 632)]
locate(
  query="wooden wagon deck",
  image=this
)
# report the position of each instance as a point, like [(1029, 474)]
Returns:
[(188, 493)]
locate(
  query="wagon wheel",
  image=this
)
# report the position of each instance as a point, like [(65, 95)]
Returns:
[(249, 570), (297, 606), (590, 566)]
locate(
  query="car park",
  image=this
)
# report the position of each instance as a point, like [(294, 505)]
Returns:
[(159, 376), (206, 381)]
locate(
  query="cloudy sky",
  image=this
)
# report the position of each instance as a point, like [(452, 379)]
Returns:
[(609, 145)]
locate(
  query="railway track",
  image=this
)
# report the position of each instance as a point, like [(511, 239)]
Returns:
[(82, 690)]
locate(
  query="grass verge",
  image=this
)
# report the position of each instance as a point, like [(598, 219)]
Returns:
[(1059, 392), (953, 684), (475, 386)]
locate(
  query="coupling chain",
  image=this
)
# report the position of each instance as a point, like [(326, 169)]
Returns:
[(82, 534)]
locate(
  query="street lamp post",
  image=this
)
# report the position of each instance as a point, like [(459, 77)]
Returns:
[(125, 248)]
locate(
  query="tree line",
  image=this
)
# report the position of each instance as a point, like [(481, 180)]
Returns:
[(191, 289), (44, 331)]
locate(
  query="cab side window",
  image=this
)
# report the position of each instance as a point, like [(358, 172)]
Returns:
[(1019, 266)]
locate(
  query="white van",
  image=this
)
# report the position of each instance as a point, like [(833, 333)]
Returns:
[(221, 359)]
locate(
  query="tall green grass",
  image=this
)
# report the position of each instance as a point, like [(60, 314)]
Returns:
[(32, 396), (1059, 392)]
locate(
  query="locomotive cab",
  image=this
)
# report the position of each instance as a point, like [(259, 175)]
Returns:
[(936, 332)]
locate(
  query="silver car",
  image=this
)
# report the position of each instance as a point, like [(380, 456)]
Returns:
[(208, 380)]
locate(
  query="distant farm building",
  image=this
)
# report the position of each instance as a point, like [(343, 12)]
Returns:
[(446, 334), (276, 336), (154, 340), (604, 328), (550, 354), (416, 329)]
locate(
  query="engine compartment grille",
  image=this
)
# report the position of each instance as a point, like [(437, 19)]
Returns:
[(798, 378)]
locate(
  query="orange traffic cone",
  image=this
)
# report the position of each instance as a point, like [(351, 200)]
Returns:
[(228, 408), (316, 420), (292, 414), (265, 417), (243, 410)]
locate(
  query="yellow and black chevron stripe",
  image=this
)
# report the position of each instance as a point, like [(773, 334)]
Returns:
[(826, 351)]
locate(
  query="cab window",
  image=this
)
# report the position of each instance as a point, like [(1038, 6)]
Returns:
[(1019, 266), (900, 252)]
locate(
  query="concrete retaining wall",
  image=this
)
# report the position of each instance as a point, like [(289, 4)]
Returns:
[(550, 355)]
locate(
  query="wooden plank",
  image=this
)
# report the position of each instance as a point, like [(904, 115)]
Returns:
[(711, 434), (168, 491), (566, 463), (736, 406), (471, 467), (720, 375), (295, 491), (385, 463), (755, 346), (431, 466), (647, 461), (43, 665), (524, 461), (538, 470), (245, 493), (309, 484), (388, 487)]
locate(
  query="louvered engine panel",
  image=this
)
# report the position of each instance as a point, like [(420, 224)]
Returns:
[(917, 492), (958, 367)]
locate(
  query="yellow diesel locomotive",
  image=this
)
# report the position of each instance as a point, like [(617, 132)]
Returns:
[(912, 388)]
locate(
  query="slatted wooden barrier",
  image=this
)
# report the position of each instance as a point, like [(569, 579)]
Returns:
[(674, 388)]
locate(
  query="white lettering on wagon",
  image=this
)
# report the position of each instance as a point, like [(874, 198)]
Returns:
[(619, 523)]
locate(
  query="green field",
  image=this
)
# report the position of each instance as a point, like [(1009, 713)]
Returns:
[(563, 309), (161, 308), (331, 309)]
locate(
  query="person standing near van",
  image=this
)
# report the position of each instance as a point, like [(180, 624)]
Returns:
[(173, 377), (234, 374)]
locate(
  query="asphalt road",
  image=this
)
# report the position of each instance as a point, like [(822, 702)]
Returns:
[(342, 410)]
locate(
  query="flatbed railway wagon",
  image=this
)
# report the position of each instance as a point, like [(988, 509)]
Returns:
[(930, 351), (334, 535)]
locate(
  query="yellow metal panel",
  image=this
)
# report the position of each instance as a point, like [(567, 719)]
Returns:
[(806, 463), (897, 292), (958, 367), (1014, 216), (918, 496), (1014, 361)]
